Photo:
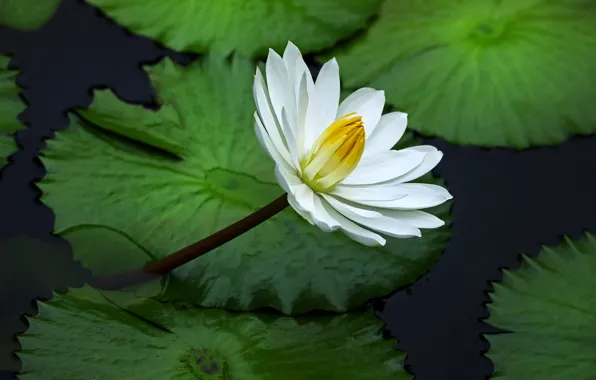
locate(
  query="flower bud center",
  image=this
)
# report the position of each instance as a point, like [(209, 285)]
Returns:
[(335, 154)]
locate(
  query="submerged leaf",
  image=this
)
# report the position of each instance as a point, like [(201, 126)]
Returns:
[(513, 73), (115, 255), (30, 268), (247, 26), (209, 173), (26, 15), (549, 307), (84, 335), (10, 108)]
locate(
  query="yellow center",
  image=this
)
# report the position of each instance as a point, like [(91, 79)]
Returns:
[(335, 154)]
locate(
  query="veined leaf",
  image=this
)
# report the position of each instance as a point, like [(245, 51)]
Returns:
[(247, 26), (84, 335), (513, 73), (550, 308), (213, 174)]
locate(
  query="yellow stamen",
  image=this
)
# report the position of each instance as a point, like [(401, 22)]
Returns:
[(335, 154)]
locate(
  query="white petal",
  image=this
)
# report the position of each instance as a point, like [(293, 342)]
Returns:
[(301, 111), (268, 120), (311, 203), (431, 159), (349, 210), (290, 138), (303, 71), (384, 166), (368, 192), (297, 68), (278, 85), (322, 104), (286, 178), (389, 226), (280, 158), (416, 218), (368, 104), (354, 231), (352, 100), (304, 197), (300, 83), (266, 145), (389, 130), (420, 195), (305, 88), (322, 217), (302, 212), (290, 56)]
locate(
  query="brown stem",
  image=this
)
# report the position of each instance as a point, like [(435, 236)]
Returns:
[(165, 265)]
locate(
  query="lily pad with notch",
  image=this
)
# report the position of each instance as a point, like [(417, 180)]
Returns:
[(250, 27), (548, 309), (512, 73), (168, 178), (86, 334), (10, 107)]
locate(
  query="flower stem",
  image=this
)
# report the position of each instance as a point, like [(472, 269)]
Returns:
[(165, 265)]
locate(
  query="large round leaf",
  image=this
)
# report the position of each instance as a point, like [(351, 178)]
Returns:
[(26, 14), (247, 26), (82, 335), (213, 174), (10, 108), (549, 307), (512, 73)]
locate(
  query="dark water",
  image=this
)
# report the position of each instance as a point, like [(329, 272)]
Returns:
[(506, 202)]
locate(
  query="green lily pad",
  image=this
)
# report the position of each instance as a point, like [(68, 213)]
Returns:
[(82, 335), (250, 27), (550, 308), (117, 254), (10, 108), (29, 268), (195, 167), (512, 73), (26, 15)]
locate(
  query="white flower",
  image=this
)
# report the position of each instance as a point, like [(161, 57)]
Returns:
[(335, 160)]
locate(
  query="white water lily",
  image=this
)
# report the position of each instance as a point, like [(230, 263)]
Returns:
[(335, 160)]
